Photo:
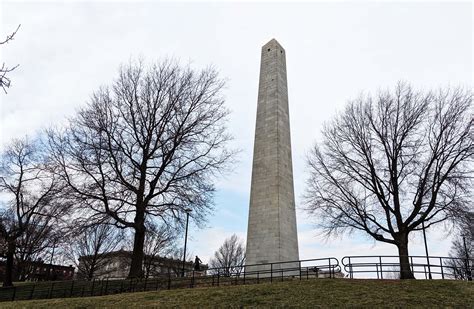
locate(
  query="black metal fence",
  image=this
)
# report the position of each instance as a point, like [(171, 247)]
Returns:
[(380, 267), (248, 274), (388, 267)]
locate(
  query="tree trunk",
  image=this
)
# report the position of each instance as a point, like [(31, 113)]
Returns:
[(8, 280), (90, 273), (405, 270), (136, 267)]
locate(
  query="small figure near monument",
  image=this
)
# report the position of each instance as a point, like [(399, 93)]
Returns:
[(197, 263)]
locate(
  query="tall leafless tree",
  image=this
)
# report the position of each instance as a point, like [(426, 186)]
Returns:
[(35, 244), (462, 249), (29, 190), (4, 69), (160, 241), (89, 245), (230, 257), (389, 163), (149, 146)]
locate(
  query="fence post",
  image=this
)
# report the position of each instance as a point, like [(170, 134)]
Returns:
[(381, 269), (330, 268), (83, 287), (441, 265), (92, 289), (102, 286), (218, 276), (51, 290), (14, 293), (299, 262), (32, 291), (350, 269), (244, 276), (121, 286), (258, 276), (192, 280), (169, 279), (72, 288), (107, 286), (271, 272), (146, 281), (377, 270)]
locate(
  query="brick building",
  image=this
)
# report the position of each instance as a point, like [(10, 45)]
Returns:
[(41, 271)]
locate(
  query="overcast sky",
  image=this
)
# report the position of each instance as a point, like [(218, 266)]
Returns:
[(334, 52)]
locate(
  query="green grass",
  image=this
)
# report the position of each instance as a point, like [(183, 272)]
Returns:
[(304, 294)]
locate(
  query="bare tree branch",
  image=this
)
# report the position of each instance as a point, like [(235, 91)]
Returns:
[(32, 192), (4, 69), (147, 147), (389, 163)]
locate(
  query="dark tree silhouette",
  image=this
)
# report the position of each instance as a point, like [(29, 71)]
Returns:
[(35, 244), (230, 257), (159, 242), (89, 245), (462, 249), (388, 163), (147, 147), (4, 69), (30, 191)]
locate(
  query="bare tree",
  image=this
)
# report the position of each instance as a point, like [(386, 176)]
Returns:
[(462, 250), (4, 69), (147, 147), (159, 242), (89, 246), (35, 244), (393, 273), (175, 265), (389, 163), (230, 257), (30, 190)]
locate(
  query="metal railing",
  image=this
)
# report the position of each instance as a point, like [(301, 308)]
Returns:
[(388, 267), (247, 274), (268, 272)]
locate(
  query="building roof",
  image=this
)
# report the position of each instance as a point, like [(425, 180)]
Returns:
[(128, 255)]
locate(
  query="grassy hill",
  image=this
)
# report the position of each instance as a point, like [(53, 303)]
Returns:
[(303, 294)]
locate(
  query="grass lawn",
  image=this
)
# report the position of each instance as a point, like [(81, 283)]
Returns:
[(305, 294)]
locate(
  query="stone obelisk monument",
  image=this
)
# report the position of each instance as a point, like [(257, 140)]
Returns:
[(271, 234)]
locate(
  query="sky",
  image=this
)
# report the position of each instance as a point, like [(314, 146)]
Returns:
[(335, 51)]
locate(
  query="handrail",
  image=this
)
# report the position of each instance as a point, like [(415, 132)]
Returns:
[(276, 263), (457, 268)]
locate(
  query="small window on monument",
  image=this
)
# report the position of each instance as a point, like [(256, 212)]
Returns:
[(269, 49)]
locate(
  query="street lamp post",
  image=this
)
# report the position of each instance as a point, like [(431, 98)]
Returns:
[(187, 210), (426, 249)]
